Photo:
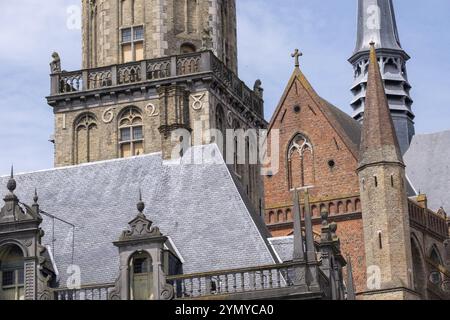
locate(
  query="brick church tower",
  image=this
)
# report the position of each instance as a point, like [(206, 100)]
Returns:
[(384, 200), (151, 69)]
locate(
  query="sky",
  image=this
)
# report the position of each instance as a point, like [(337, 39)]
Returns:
[(268, 32)]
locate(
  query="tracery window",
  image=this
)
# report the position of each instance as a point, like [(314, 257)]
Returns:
[(131, 134), (300, 162), (86, 135)]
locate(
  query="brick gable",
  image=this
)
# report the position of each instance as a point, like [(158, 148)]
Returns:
[(334, 138)]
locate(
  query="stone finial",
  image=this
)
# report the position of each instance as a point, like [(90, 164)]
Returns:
[(351, 295), (299, 250), (325, 232), (324, 217), (333, 229), (140, 205), (309, 232), (296, 55), (12, 185), (140, 227), (36, 197)]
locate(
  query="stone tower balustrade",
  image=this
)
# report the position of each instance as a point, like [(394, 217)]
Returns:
[(427, 220), (160, 69)]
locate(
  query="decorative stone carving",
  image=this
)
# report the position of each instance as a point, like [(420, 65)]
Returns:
[(30, 279), (151, 109), (230, 118), (198, 101), (45, 296), (55, 65), (108, 115), (207, 40), (115, 294), (140, 227), (257, 88), (167, 292), (28, 243)]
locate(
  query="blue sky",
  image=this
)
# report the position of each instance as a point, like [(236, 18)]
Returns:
[(268, 32)]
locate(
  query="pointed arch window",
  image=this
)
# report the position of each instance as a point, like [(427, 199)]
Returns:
[(131, 133), (11, 273), (300, 162), (86, 135)]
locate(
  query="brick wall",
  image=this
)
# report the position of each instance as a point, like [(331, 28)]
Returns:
[(335, 186)]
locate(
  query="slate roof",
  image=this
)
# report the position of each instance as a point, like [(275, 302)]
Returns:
[(350, 126), (284, 247), (386, 36), (428, 167), (198, 206)]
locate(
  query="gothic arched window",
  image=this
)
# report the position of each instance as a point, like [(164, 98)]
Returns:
[(435, 256), (141, 277), (87, 139), (300, 162), (131, 133), (11, 273)]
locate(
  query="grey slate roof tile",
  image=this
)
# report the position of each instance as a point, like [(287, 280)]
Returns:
[(198, 206), (428, 167)]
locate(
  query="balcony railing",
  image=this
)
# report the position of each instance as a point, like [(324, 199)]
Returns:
[(239, 281), (154, 70), (99, 292), (427, 220)]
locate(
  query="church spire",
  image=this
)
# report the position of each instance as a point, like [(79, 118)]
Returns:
[(377, 23), (378, 141)]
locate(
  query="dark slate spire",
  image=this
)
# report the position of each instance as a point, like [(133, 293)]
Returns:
[(376, 22), (299, 250), (378, 141)]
